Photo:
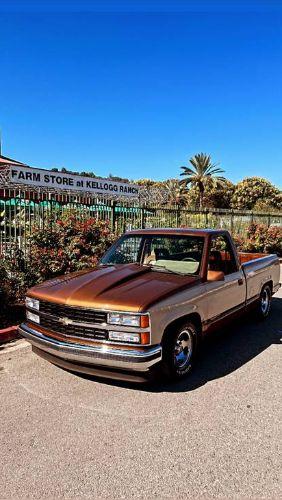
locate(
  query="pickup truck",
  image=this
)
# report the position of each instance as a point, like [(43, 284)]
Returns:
[(145, 308)]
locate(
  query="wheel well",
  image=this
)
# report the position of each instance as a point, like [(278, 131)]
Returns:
[(270, 283), (193, 317)]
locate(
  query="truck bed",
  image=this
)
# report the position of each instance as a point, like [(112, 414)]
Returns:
[(246, 256)]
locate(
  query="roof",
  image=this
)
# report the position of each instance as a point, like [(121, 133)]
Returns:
[(179, 230), (4, 160)]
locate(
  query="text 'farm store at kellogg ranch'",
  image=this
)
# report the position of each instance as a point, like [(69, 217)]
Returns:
[(14, 174), (32, 195)]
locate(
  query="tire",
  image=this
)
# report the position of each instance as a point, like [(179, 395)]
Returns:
[(180, 346), (264, 304)]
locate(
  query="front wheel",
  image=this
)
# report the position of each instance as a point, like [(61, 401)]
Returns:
[(264, 302), (179, 350)]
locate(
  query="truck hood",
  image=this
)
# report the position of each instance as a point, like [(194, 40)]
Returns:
[(126, 287)]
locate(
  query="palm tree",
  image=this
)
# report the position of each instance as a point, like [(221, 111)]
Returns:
[(204, 171), (175, 193)]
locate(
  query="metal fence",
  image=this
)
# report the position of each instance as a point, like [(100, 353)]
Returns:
[(20, 212)]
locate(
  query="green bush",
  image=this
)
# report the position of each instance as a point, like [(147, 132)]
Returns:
[(60, 247), (16, 275), (256, 193), (215, 195), (261, 238), (67, 245)]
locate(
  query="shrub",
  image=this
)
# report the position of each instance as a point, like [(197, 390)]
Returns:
[(67, 245), (256, 193), (215, 195), (261, 238), (63, 246), (16, 275)]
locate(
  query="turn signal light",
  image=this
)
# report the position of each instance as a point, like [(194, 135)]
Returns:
[(145, 338), (144, 321)]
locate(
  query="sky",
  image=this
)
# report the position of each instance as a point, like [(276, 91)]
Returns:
[(135, 88)]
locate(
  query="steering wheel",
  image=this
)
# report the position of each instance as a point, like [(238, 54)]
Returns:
[(189, 259)]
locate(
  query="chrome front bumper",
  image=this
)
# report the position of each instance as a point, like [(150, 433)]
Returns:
[(135, 360)]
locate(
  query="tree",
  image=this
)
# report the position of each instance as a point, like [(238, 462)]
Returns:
[(202, 171), (151, 192), (66, 171), (116, 178), (256, 193), (175, 193), (216, 195)]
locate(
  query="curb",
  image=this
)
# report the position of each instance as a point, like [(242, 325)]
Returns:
[(8, 334)]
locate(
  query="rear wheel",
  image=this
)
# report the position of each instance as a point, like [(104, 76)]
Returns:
[(179, 350), (264, 302)]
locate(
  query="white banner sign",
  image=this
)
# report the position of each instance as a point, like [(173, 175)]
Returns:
[(70, 182)]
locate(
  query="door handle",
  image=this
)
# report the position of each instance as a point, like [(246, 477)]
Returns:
[(240, 281)]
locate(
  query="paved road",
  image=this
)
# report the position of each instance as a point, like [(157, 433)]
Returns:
[(216, 435)]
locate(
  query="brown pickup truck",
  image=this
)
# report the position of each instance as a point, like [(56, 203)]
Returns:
[(154, 295)]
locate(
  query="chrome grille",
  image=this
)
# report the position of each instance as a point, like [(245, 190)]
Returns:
[(79, 314), (73, 330)]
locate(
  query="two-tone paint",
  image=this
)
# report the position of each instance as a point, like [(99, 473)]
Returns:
[(207, 298)]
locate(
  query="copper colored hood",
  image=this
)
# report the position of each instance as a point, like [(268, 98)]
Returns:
[(129, 287)]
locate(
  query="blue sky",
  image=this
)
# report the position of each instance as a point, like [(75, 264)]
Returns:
[(136, 88)]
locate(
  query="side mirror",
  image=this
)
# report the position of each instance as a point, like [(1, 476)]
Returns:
[(215, 276)]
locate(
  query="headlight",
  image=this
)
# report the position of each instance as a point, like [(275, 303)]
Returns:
[(123, 319), (125, 337), (32, 303), (32, 317), (139, 320)]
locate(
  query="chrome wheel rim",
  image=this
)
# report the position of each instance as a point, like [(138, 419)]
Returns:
[(265, 302), (183, 349)]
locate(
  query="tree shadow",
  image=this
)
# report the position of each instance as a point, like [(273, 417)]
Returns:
[(227, 350), (222, 352)]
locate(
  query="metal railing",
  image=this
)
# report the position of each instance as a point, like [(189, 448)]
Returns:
[(20, 212)]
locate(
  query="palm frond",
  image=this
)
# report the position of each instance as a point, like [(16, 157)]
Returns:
[(186, 181), (215, 171), (187, 171), (213, 166), (222, 180)]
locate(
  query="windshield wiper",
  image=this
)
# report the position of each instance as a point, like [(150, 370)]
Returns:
[(165, 269)]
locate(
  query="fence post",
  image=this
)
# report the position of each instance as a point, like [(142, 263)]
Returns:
[(142, 221), (177, 215), (113, 215), (206, 217), (231, 222)]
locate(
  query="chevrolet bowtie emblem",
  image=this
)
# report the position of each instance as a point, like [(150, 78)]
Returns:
[(65, 321)]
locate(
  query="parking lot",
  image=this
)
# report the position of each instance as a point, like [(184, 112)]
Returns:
[(218, 434)]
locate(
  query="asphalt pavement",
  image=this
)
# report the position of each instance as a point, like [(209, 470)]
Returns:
[(216, 435)]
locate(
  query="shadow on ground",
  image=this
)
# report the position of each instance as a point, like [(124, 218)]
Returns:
[(223, 352)]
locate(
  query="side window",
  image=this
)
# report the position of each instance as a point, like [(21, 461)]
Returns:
[(221, 257)]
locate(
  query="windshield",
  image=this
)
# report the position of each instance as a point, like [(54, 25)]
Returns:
[(168, 253)]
